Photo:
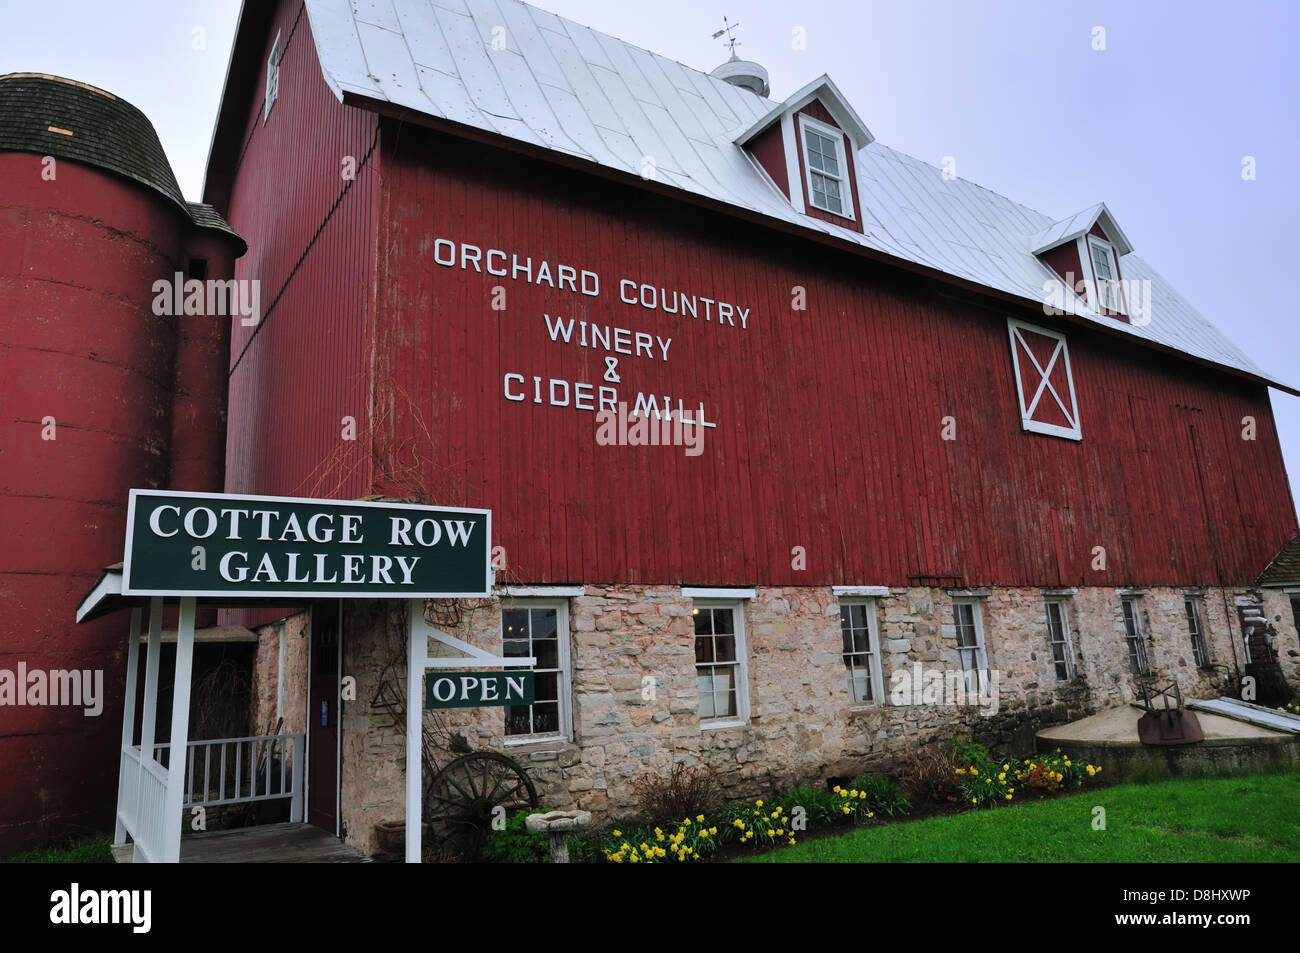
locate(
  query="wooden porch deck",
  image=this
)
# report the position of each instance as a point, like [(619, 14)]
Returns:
[(285, 843)]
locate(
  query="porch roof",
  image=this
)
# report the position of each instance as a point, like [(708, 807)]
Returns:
[(105, 597)]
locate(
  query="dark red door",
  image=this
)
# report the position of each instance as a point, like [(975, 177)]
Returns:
[(323, 717)]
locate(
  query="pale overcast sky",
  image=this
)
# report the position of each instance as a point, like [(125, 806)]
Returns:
[(1156, 125)]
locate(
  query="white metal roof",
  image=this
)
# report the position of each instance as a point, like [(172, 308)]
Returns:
[(559, 85)]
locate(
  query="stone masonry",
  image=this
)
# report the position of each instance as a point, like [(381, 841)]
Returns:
[(635, 700)]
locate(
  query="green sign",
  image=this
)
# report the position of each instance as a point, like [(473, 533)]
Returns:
[(477, 689), (197, 544)]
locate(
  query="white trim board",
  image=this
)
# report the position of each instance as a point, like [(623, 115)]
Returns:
[(546, 592), (693, 592), (873, 591)]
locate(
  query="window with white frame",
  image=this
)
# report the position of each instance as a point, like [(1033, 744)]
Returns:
[(1196, 630), (861, 638), (1137, 647), (968, 617), (539, 628), (272, 78), (720, 661), (1058, 636), (1105, 269), (1044, 381), (826, 166)]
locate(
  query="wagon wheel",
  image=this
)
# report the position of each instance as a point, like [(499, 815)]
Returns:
[(460, 802)]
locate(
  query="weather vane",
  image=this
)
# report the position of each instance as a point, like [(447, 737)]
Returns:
[(732, 42)]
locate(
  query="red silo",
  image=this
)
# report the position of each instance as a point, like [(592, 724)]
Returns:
[(98, 394)]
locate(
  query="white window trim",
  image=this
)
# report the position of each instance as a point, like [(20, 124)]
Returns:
[(1198, 604), (1139, 639), (1090, 246), (697, 592), (872, 591), (1071, 669), (836, 136), (272, 92), (982, 652), (545, 592), (565, 690), (1043, 388), (875, 668), (737, 607), (792, 162)]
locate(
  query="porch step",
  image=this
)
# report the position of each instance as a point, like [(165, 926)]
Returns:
[(285, 843)]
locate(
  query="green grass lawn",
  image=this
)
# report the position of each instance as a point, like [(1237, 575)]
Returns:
[(94, 850), (1223, 819)]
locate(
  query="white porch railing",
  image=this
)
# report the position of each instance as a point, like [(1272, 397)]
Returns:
[(243, 770), (217, 772), (142, 800)]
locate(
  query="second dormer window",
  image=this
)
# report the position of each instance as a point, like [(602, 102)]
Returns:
[(828, 183), (1106, 270)]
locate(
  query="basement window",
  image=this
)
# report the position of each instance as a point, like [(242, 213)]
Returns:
[(1196, 630), (720, 663), (1137, 647), (858, 627), (539, 628), (968, 615), (1058, 636), (826, 167), (272, 78)]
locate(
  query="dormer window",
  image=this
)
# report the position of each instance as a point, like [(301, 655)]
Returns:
[(1106, 270), (272, 79), (1083, 251), (827, 168), (805, 147)]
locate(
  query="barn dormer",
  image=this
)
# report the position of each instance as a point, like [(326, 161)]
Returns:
[(1084, 252), (806, 146)]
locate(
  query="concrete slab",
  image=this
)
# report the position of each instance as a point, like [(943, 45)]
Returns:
[(1118, 726)]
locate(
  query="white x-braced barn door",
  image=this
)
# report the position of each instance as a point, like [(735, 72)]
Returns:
[(1044, 382)]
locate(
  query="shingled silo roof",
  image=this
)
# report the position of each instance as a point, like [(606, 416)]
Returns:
[(53, 116)]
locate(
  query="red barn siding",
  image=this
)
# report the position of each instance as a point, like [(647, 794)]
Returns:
[(311, 239), (310, 234), (768, 147), (829, 420)]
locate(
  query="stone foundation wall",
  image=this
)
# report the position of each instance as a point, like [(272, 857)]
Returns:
[(634, 687), (279, 693), (1277, 608)]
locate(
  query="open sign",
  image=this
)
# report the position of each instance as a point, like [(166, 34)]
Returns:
[(477, 689)]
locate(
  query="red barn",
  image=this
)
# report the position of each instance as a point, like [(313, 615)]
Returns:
[(768, 415)]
